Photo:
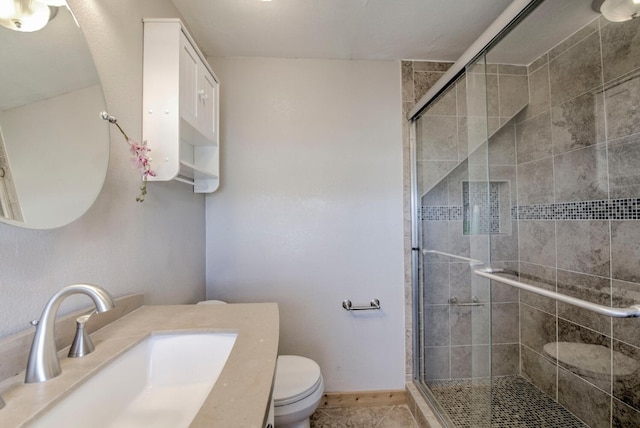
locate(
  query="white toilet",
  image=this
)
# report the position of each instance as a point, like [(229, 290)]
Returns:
[(297, 389)]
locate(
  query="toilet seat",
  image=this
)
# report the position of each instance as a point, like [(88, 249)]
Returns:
[(296, 379)]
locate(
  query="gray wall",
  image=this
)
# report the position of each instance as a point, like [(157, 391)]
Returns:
[(417, 78), (451, 153), (310, 211), (578, 157), (572, 159), (157, 247)]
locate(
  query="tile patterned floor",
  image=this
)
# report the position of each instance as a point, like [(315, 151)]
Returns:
[(516, 404), (364, 417)]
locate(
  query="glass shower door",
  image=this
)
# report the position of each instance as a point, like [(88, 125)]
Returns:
[(456, 218), (527, 163)]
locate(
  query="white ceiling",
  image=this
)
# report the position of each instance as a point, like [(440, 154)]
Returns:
[(56, 60), (339, 29)]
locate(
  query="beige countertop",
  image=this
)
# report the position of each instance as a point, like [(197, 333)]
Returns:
[(241, 396)]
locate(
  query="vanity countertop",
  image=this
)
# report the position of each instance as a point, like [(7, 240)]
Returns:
[(239, 399)]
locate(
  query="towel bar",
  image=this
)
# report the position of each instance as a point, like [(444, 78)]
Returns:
[(374, 304)]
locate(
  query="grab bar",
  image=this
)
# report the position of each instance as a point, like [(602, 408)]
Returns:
[(632, 311), (474, 302), (453, 256), (374, 304)]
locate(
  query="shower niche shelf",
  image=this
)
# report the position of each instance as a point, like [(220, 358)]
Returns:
[(180, 107)]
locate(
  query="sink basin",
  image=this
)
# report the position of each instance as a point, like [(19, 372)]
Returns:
[(160, 382)]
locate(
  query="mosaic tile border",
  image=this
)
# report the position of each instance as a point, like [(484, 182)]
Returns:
[(614, 209), (440, 213)]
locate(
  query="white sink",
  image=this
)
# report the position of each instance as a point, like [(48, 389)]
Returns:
[(160, 382)]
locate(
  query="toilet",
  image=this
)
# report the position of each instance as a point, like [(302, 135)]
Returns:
[(297, 389)]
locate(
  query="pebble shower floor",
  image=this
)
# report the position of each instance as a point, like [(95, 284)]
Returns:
[(516, 404)]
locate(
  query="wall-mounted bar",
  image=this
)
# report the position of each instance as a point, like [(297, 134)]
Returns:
[(474, 302), (374, 304), (632, 311), (185, 180), (453, 256)]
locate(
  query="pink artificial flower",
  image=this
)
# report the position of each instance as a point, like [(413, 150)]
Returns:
[(139, 159)]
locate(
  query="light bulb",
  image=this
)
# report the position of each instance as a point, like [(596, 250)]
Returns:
[(7, 8), (29, 16)]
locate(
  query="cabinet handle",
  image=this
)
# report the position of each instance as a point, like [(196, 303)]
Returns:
[(202, 95)]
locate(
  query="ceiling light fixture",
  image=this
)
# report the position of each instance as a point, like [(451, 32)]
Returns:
[(7, 9), (619, 10), (28, 15), (60, 3)]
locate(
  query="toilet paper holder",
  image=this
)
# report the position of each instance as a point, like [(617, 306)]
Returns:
[(374, 304)]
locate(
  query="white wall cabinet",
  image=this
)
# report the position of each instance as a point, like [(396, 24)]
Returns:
[(180, 107)]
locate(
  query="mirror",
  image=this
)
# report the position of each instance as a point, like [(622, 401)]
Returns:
[(54, 147)]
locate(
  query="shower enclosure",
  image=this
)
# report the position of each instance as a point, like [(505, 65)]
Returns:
[(526, 177)]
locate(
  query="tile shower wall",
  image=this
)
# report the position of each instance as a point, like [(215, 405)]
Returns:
[(417, 79), (578, 183), (452, 175), (572, 160)]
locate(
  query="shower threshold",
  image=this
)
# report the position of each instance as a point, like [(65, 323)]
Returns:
[(516, 403)]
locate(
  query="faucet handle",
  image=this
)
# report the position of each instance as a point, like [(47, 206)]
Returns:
[(82, 344)]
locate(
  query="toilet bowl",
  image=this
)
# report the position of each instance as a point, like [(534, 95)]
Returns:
[(591, 361), (297, 389)]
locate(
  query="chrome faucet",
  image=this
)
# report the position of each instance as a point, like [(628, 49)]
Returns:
[(43, 363), (82, 344)]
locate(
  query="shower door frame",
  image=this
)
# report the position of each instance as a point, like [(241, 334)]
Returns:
[(478, 410), (513, 14)]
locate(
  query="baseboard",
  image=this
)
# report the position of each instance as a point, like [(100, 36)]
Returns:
[(364, 398)]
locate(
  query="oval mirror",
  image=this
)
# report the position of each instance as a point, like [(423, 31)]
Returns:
[(54, 148)]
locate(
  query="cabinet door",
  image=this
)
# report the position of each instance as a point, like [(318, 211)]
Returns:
[(189, 71), (207, 104)]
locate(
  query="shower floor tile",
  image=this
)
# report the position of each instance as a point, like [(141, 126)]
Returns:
[(516, 404)]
